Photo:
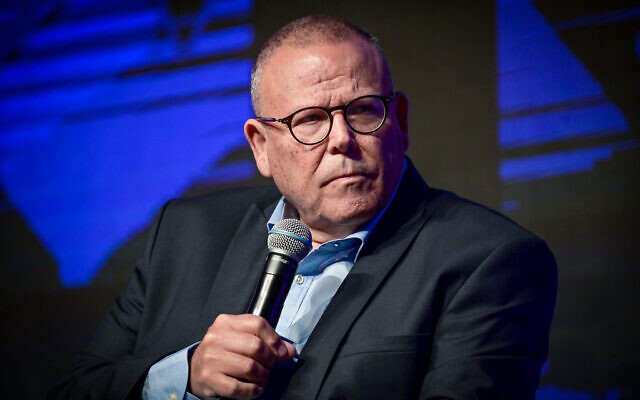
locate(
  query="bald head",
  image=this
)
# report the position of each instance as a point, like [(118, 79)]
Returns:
[(305, 32)]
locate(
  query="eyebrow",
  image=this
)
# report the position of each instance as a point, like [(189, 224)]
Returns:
[(328, 106)]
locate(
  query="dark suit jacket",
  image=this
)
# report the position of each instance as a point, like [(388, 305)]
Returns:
[(447, 299)]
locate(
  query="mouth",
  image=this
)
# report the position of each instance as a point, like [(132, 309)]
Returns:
[(349, 177)]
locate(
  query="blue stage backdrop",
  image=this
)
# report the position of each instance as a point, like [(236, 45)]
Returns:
[(109, 109), (99, 130)]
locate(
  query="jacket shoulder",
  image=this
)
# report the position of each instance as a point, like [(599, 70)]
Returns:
[(462, 216), (209, 216), (225, 205), (461, 229)]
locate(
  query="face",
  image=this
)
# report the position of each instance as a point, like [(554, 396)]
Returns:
[(341, 183)]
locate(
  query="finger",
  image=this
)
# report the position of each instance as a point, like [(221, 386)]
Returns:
[(251, 346), (245, 368), (291, 350), (231, 387), (259, 327)]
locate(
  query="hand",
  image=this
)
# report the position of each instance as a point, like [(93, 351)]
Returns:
[(235, 357)]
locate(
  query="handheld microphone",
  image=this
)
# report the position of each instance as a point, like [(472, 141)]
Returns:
[(289, 241)]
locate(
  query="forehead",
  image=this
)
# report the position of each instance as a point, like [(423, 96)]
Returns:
[(321, 74)]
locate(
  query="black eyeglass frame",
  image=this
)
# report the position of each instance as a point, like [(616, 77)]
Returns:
[(287, 120)]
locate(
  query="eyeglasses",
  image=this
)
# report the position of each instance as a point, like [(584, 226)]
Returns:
[(312, 125)]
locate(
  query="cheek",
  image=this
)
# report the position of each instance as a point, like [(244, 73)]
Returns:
[(387, 152), (382, 151), (292, 171)]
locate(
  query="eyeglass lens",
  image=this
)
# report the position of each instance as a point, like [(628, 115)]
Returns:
[(364, 115)]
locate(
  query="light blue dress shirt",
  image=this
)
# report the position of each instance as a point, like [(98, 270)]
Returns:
[(318, 277)]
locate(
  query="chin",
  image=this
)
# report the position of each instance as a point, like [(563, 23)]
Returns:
[(355, 212)]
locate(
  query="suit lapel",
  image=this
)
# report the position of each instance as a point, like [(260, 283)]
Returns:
[(240, 268), (391, 238)]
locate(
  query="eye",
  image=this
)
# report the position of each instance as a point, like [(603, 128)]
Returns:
[(309, 117), (362, 109), (367, 106)]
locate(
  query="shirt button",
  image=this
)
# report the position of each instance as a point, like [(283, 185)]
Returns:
[(336, 245), (173, 396), (299, 279)]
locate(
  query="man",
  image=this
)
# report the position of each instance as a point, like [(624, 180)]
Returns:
[(410, 292)]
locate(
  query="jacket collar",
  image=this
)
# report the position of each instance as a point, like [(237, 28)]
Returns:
[(241, 265)]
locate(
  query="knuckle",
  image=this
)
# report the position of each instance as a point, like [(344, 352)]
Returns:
[(211, 336), (221, 319), (259, 323), (233, 387), (255, 345), (215, 335), (272, 340), (250, 367), (208, 392), (265, 331)]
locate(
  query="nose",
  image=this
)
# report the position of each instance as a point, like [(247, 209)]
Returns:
[(341, 138)]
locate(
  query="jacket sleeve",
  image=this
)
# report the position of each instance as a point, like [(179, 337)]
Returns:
[(108, 368), (492, 337)]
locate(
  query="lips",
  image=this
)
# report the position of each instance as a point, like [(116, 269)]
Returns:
[(349, 175)]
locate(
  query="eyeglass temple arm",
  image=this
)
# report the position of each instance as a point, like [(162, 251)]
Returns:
[(265, 119)]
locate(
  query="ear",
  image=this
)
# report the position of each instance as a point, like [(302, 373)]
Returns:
[(255, 132), (401, 113)]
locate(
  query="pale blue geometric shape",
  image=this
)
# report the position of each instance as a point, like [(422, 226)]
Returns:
[(90, 63), (124, 91), (566, 123), (227, 8), (594, 20), (85, 30), (535, 68), (522, 169)]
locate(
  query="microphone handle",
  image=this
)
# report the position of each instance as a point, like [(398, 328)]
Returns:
[(273, 287)]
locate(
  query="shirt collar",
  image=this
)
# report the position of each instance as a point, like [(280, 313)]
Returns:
[(284, 209)]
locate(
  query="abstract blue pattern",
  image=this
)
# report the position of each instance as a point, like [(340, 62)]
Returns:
[(559, 163), (94, 138), (546, 95)]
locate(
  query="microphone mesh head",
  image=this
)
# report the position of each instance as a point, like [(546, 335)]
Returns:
[(285, 242)]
